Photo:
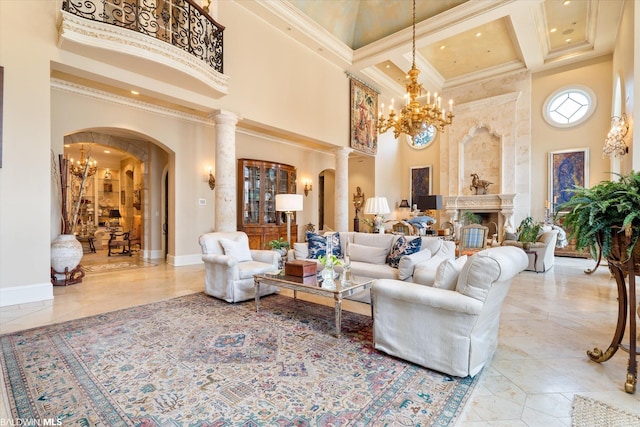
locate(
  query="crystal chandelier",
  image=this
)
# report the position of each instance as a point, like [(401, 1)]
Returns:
[(415, 118), (84, 167), (614, 145)]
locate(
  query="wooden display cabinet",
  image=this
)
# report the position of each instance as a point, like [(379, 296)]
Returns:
[(258, 183)]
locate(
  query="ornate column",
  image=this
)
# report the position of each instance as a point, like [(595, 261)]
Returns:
[(342, 189), (225, 173)]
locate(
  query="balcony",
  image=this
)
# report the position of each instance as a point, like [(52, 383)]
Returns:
[(174, 41)]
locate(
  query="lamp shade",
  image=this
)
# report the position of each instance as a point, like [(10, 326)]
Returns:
[(376, 206), (115, 213), (404, 204), (289, 202), (427, 203)]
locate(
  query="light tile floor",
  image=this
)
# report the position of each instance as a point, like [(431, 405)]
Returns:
[(548, 322)]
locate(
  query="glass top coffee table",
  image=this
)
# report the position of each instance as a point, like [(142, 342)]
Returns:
[(315, 285)]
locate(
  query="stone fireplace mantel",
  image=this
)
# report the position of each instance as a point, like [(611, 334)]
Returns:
[(502, 203)]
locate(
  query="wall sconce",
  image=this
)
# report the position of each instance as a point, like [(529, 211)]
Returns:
[(614, 145), (212, 180), (307, 187)]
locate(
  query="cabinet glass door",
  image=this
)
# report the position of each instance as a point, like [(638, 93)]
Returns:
[(270, 195), (251, 200)]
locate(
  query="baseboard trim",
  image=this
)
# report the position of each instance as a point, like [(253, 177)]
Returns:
[(26, 294), (182, 260)]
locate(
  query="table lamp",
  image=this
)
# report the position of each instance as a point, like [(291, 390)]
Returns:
[(289, 203), (377, 206)]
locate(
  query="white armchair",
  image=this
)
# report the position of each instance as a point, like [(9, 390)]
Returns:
[(454, 331), (230, 266), (542, 254)]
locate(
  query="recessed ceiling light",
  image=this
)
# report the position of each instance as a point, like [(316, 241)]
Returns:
[(442, 47), (388, 66), (553, 30), (478, 34), (566, 2), (107, 152), (135, 92), (568, 40)]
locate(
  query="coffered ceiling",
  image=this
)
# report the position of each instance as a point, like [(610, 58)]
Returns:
[(457, 41)]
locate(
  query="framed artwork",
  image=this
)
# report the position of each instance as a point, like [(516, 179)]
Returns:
[(364, 118), (420, 183), (567, 169)]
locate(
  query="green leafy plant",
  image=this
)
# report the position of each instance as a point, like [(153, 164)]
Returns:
[(528, 230), (469, 217), (601, 211), (278, 244), (329, 260)]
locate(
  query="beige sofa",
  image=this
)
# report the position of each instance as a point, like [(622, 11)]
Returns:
[(451, 327), (368, 253), (543, 251)]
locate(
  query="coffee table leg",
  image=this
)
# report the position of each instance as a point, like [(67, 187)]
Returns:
[(338, 310), (256, 286)]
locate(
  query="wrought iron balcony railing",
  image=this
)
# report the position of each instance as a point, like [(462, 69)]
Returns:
[(180, 22)]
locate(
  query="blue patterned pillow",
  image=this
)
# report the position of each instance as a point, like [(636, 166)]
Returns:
[(402, 247), (318, 245)]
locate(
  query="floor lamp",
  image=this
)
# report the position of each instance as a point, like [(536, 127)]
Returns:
[(289, 203)]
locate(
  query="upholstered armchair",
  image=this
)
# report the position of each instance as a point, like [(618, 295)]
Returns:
[(230, 266), (473, 238), (541, 253), (452, 326)]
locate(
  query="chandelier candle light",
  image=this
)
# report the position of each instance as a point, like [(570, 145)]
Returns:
[(415, 118)]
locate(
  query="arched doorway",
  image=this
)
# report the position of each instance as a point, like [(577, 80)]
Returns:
[(125, 189)]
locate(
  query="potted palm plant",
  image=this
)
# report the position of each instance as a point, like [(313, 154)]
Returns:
[(604, 213)]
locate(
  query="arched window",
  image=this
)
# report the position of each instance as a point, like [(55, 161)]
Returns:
[(569, 106), (424, 139)]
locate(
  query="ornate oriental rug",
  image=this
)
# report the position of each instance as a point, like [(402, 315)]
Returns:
[(198, 361)]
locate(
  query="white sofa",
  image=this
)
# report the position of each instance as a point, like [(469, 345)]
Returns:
[(451, 327), (368, 253), (229, 269), (544, 249)]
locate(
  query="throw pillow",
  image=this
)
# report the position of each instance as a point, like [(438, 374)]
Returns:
[(408, 263), (301, 250), (402, 247), (238, 250), (368, 254), (318, 245), (448, 272)]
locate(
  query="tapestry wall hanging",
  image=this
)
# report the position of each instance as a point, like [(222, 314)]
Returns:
[(364, 118), (567, 169)]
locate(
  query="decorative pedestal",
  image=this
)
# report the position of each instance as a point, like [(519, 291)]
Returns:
[(620, 266), (67, 277)]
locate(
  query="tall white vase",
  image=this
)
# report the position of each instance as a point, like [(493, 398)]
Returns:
[(66, 252)]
